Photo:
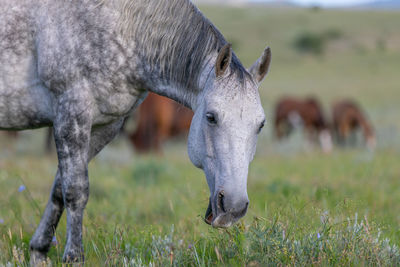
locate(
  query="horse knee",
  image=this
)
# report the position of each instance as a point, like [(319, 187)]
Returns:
[(76, 193)]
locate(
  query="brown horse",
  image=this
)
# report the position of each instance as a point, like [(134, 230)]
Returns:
[(48, 145), (12, 134), (159, 118), (292, 112), (347, 118)]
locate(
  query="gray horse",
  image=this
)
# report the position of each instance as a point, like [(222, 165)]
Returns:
[(83, 66)]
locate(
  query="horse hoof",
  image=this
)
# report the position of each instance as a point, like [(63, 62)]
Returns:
[(38, 259), (73, 257)]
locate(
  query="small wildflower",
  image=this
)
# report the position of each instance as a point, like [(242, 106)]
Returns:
[(190, 246), (318, 235), (54, 241), (1, 221), (21, 188)]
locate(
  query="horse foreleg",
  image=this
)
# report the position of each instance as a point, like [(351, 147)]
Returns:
[(280, 130), (344, 132), (101, 136), (76, 192), (49, 141), (72, 130), (41, 240)]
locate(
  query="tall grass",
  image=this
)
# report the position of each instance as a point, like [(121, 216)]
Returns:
[(264, 242)]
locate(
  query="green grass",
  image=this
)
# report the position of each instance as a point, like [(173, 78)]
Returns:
[(306, 208), (293, 201)]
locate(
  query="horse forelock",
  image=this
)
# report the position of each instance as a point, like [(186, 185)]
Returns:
[(241, 74)]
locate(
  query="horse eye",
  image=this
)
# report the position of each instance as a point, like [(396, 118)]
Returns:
[(211, 118), (261, 126)]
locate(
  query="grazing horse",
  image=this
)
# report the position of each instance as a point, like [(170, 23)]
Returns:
[(292, 112), (83, 66), (347, 117), (159, 118)]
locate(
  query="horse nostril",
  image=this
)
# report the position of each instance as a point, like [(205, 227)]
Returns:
[(242, 212), (245, 209), (221, 200)]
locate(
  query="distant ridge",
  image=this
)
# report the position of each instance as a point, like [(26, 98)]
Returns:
[(223, 2), (373, 4), (383, 4), (246, 2), (277, 3)]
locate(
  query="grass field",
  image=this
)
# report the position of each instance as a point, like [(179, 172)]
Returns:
[(306, 207)]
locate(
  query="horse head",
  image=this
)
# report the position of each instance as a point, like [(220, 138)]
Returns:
[(223, 135)]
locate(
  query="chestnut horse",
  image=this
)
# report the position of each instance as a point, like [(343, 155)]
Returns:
[(48, 145), (159, 118), (12, 134), (292, 112), (348, 118)]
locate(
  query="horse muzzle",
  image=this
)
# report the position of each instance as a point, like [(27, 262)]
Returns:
[(223, 210)]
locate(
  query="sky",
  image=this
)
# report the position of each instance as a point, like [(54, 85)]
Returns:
[(326, 2)]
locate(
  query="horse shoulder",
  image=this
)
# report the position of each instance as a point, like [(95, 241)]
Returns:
[(83, 51)]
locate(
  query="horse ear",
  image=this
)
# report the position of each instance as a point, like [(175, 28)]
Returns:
[(223, 60), (260, 68)]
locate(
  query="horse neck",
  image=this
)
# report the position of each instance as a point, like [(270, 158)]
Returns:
[(174, 42)]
